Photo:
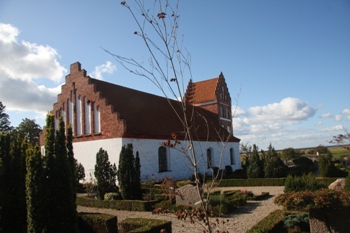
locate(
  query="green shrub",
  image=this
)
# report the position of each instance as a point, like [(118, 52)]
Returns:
[(301, 220), (112, 196), (95, 222), (252, 182), (131, 205), (269, 223), (143, 225), (347, 183), (301, 183)]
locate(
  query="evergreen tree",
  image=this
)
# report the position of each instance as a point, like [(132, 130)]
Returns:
[(105, 174), (136, 183), (29, 129), (129, 174), (4, 120), (273, 166), (254, 164), (35, 191), (12, 191), (61, 215)]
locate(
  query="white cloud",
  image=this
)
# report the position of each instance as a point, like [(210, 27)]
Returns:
[(338, 117), (21, 64), (334, 128), (237, 111), (347, 113), (326, 115), (289, 110), (108, 68)]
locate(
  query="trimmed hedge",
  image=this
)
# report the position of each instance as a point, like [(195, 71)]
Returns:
[(131, 205), (144, 225), (252, 182), (269, 223), (96, 222)]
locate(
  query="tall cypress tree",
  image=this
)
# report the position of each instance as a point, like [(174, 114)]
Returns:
[(61, 215), (274, 166), (136, 183), (254, 169), (35, 191), (129, 174)]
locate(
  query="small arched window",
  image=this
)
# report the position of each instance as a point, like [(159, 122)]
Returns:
[(232, 156), (162, 159), (210, 157)]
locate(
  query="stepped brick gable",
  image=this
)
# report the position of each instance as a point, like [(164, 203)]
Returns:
[(106, 115)]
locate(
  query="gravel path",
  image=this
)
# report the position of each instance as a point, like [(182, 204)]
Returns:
[(239, 221)]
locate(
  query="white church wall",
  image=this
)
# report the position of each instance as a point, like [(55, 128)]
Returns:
[(179, 167), (85, 153)]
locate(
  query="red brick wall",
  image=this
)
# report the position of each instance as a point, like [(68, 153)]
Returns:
[(110, 124)]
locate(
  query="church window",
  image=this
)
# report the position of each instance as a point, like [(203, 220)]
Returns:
[(71, 114), (162, 159), (87, 105), (97, 122), (221, 111), (232, 156), (79, 115), (210, 157)]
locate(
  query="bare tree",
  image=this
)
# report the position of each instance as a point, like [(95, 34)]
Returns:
[(342, 140), (169, 69)]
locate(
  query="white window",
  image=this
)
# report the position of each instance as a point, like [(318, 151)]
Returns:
[(79, 115), (87, 105), (97, 122)]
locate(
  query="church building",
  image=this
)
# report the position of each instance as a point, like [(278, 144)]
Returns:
[(108, 116)]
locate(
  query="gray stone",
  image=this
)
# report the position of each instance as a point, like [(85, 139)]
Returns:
[(337, 185), (187, 195)]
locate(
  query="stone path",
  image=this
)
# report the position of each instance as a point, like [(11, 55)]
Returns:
[(239, 221)]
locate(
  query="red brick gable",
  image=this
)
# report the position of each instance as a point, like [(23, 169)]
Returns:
[(129, 113)]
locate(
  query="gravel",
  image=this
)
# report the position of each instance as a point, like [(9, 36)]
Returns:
[(240, 220)]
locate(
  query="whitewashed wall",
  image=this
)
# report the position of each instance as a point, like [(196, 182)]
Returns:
[(178, 165)]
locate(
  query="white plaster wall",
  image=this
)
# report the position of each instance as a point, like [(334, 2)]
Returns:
[(179, 166), (85, 153)]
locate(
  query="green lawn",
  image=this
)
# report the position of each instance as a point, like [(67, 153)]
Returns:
[(339, 151)]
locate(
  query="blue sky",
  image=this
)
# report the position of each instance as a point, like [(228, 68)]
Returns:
[(289, 61)]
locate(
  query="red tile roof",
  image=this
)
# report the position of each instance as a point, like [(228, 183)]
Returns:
[(204, 91), (150, 115)]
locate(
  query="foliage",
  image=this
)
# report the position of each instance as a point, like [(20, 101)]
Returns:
[(35, 190), (112, 196), (347, 183), (96, 222), (269, 223), (255, 164), (30, 130), (12, 184), (327, 167), (273, 165), (303, 165), (305, 200), (301, 220), (305, 182), (342, 139), (60, 215), (79, 171), (105, 174), (4, 120), (130, 205), (252, 182), (290, 154), (137, 225), (129, 174)]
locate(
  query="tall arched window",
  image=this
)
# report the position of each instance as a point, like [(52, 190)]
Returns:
[(210, 157), (162, 159), (232, 156)]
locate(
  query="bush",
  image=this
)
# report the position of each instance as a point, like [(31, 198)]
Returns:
[(138, 225), (95, 222), (301, 220), (112, 196), (305, 182), (252, 182), (269, 223), (305, 200)]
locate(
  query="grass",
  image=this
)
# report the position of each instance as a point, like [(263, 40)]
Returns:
[(339, 151)]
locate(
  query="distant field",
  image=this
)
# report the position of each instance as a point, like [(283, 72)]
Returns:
[(338, 151)]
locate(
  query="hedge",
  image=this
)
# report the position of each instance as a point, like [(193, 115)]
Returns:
[(252, 182), (143, 225), (131, 205), (95, 222)]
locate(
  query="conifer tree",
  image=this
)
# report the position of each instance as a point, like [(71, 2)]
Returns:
[(35, 190), (254, 168), (105, 174), (129, 174), (136, 183), (273, 165), (12, 185)]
